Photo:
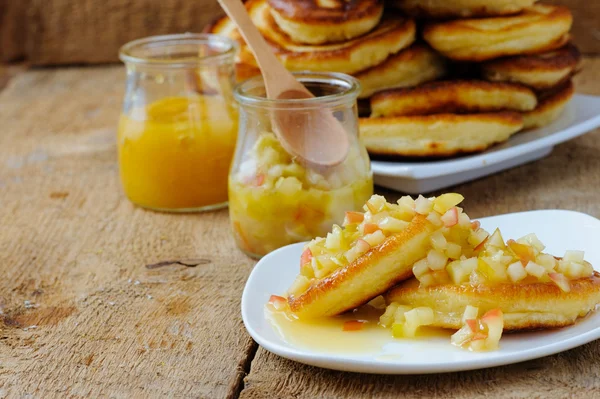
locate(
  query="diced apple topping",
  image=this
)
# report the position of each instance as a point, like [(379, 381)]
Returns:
[(405, 321), (561, 281), (479, 334), (353, 325), (447, 201), (449, 244), (353, 218), (535, 270), (306, 257), (516, 272), (423, 205), (300, 284), (363, 231), (277, 302), (478, 258), (573, 256), (450, 218)]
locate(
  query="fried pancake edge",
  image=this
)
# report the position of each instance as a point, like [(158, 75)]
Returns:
[(530, 32), (539, 71), (368, 276), (455, 96), (550, 107), (439, 135), (525, 306)]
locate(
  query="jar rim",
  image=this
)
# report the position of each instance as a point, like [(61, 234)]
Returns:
[(350, 90), (226, 49)]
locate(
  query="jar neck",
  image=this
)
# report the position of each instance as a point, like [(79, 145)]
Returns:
[(185, 51), (330, 90)]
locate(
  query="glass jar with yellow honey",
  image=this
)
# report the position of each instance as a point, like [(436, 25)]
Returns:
[(277, 199), (178, 127)]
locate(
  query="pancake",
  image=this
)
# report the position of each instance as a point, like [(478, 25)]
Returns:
[(460, 8), (410, 67), (368, 276), (551, 106), (460, 96), (364, 107), (539, 71), (391, 35), (537, 29), (325, 21), (245, 71), (438, 135), (525, 306)]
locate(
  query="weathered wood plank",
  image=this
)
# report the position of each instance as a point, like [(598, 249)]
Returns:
[(80, 313), (568, 179)]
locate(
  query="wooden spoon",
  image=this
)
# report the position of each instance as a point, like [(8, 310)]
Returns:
[(315, 136)]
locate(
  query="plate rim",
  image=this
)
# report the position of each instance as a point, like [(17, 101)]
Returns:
[(370, 366), (428, 170)]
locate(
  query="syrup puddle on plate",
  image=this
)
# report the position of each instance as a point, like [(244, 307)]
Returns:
[(326, 335)]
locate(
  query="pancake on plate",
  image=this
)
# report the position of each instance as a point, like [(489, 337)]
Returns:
[(537, 29), (371, 253), (551, 105), (409, 67), (390, 36), (456, 96), (460, 8), (325, 21), (531, 288), (525, 306), (439, 135), (539, 71)]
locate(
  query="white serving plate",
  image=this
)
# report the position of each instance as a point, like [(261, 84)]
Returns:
[(581, 116), (559, 230)]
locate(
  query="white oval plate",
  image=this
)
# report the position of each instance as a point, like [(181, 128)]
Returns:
[(559, 230), (581, 115)]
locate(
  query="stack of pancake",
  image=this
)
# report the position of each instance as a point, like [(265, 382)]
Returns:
[(352, 37), (499, 66)]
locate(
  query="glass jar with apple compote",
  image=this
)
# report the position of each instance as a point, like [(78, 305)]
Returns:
[(275, 198)]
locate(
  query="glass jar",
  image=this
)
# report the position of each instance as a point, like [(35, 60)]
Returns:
[(274, 199), (178, 127)]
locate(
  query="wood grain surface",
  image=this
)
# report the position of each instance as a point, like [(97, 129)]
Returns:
[(81, 314), (86, 312), (51, 32)]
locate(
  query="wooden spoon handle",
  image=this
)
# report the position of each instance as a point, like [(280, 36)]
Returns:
[(269, 65)]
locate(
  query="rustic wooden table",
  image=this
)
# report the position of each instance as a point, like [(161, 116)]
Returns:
[(83, 314)]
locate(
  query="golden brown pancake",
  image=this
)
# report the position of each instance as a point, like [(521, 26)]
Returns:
[(390, 36), (410, 67), (458, 96), (540, 71), (245, 71), (325, 21), (460, 8), (551, 106), (368, 276), (525, 306), (537, 29), (364, 107), (437, 135)]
